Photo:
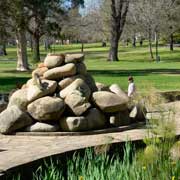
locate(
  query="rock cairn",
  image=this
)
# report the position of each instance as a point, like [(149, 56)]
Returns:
[(62, 96)]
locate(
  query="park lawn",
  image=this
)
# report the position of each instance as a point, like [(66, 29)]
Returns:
[(163, 76)]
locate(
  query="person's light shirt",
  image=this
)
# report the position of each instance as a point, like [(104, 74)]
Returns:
[(131, 89)]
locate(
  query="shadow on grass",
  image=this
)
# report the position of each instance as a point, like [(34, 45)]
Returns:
[(143, 72), (12, 80)]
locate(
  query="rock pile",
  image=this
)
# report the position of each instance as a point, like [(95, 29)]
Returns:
[(62, 96)]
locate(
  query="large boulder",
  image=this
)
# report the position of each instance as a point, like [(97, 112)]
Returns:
[(40, 71), (74, 124), (175, 151), (96, 119), (90, 82), (74, 58), (117, 90), (60, 72), (77, 102), (79, 85), (138, 113), (20, 99), (102, 87), (13, 119), (67, 81), (42, 127), (35, 91), (120, 119), (81, 68), (53, 60), (46, 108), (108, 102)]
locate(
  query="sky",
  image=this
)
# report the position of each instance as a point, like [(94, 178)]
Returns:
[(89, 4)]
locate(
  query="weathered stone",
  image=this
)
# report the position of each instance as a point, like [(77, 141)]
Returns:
[(20, 99), (74, 124), (79, 85), (77, 102), (138, 113), (40, 71), (81, 68), (60, 72), (13, 119), (35, 91), (90, 82), (108, 102), (53, 60), (175, 151), (96, 119), (42, 127), (102, 87), (67, 81), (74, 58), (169, 115), (120, 119), (117, 90), (46, 108)]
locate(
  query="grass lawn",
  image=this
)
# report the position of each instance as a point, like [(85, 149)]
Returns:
[(163, 76)]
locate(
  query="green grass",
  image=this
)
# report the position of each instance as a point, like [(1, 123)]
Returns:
[(133, 61)]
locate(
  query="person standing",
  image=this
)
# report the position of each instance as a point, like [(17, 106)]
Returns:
[(131, 87)]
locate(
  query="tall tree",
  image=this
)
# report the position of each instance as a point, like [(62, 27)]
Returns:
[(42, 15), (16, 12), (119, 10)]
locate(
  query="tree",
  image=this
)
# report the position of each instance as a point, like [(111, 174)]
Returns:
[(42, 15), (17, 20), (119, 9)]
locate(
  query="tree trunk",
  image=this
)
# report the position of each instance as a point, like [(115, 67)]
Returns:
[(134, 41), (118, 18), (157, 45), (150, 46), (171, 42), (4, 49), (36, 52), (22, 61), (82, 47), (113, 52)]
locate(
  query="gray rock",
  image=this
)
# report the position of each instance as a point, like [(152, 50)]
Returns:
[(74, 124), (90, 82), (20, 99), (138, 113), (108, 102), (35, 91), (120, 119), (67, 81), (40, 71), (77, 102), (60, 72), (117, 90), (13, 119), (102, 87), (175, 151), (79, 85), (74, 58), (46, 108), (42, 127), (96, 119), (52, 60), (81, 68)]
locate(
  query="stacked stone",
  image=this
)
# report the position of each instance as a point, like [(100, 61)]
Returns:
[(64, 97)]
